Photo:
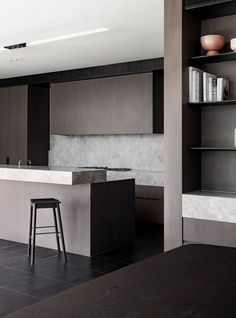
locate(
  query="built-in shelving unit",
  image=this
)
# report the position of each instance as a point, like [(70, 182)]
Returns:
[(214, 125), (205, 134), (215, 164), (221, 103)]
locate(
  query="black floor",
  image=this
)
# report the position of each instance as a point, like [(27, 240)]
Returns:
[(21, 285)]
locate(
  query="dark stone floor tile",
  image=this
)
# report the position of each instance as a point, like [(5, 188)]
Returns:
[(60, 271), (30, 284), (50, 276), (91, 263), (11, 301), (86, 279), (16, 256), (12, 255), (6, 244)]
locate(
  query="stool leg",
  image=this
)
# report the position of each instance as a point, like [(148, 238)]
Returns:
[(33, 237), (62, 234), (30, 231), (57, 231)]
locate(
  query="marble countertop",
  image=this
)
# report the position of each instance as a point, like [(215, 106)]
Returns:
[(53, 175)]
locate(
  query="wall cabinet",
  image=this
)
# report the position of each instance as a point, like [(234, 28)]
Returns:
[(112, 105), (24, 124)]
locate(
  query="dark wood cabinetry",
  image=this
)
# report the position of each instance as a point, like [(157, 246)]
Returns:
[(24, 124), (127, 103), (149, 202), (113, 105), (4, 123)]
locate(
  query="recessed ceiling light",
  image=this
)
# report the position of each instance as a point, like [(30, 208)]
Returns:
[(68, 36), (57, 38)]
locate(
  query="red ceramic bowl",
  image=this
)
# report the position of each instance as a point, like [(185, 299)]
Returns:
[(212, 43)]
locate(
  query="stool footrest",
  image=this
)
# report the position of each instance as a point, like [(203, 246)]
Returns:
[(42, 233), (45, 227)]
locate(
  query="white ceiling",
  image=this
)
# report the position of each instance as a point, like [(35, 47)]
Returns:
[(136, 32)]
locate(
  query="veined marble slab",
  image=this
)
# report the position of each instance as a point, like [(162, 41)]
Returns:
[(210, 205), (53, 175)]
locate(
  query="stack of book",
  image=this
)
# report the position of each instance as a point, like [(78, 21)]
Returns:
[(206, 87)]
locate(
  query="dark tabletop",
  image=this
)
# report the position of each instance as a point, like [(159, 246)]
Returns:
[(191, 281)]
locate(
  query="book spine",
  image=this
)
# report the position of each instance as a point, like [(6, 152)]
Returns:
[(190, 70), (194, 87), (197, 86), (210, 89), (201, 86), (205, 92), (219, 89), (225, 89), (214, 89)]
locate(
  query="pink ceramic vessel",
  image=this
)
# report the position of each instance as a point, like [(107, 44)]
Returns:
[(212, 43)]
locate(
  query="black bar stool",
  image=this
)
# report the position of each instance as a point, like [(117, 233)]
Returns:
[(45, 204)]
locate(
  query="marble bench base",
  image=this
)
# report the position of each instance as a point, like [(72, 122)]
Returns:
[(209, 217)]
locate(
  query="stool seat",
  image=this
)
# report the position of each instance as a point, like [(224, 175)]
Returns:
[(45, 203)]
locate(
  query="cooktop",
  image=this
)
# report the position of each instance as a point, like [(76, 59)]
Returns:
[(107, 168)]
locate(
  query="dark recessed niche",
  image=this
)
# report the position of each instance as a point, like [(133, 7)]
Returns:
[(208, 9)]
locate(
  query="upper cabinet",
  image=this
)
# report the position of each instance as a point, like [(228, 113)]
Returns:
[(24, 124), (111, 105)]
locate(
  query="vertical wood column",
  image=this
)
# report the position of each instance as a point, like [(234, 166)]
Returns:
[(173, 124)]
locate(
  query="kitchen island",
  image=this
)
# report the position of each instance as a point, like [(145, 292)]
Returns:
[(97, 215)]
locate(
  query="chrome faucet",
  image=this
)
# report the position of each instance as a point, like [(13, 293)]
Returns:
[(26, 160)]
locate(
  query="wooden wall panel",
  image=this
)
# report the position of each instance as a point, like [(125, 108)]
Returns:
[(4, 125), (112, 215), (173, 124), (116, 105), (18, 108), (182, 122)]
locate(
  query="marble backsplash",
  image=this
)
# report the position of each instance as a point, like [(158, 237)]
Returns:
[(138, 152)]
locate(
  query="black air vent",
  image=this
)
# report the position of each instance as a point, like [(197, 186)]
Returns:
[(15, 46)]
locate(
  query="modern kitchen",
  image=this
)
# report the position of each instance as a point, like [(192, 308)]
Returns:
[(117, 159), (81, 159), (104, 132)]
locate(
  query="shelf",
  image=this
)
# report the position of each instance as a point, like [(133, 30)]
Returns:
[(208, 9), (205, 59), (214, 148), (213, 193), (222, 103)]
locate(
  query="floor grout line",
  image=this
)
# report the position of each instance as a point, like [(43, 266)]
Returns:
[(37, 275), (20, 293)]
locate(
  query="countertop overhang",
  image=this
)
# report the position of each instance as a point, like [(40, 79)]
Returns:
[(53, 175)]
